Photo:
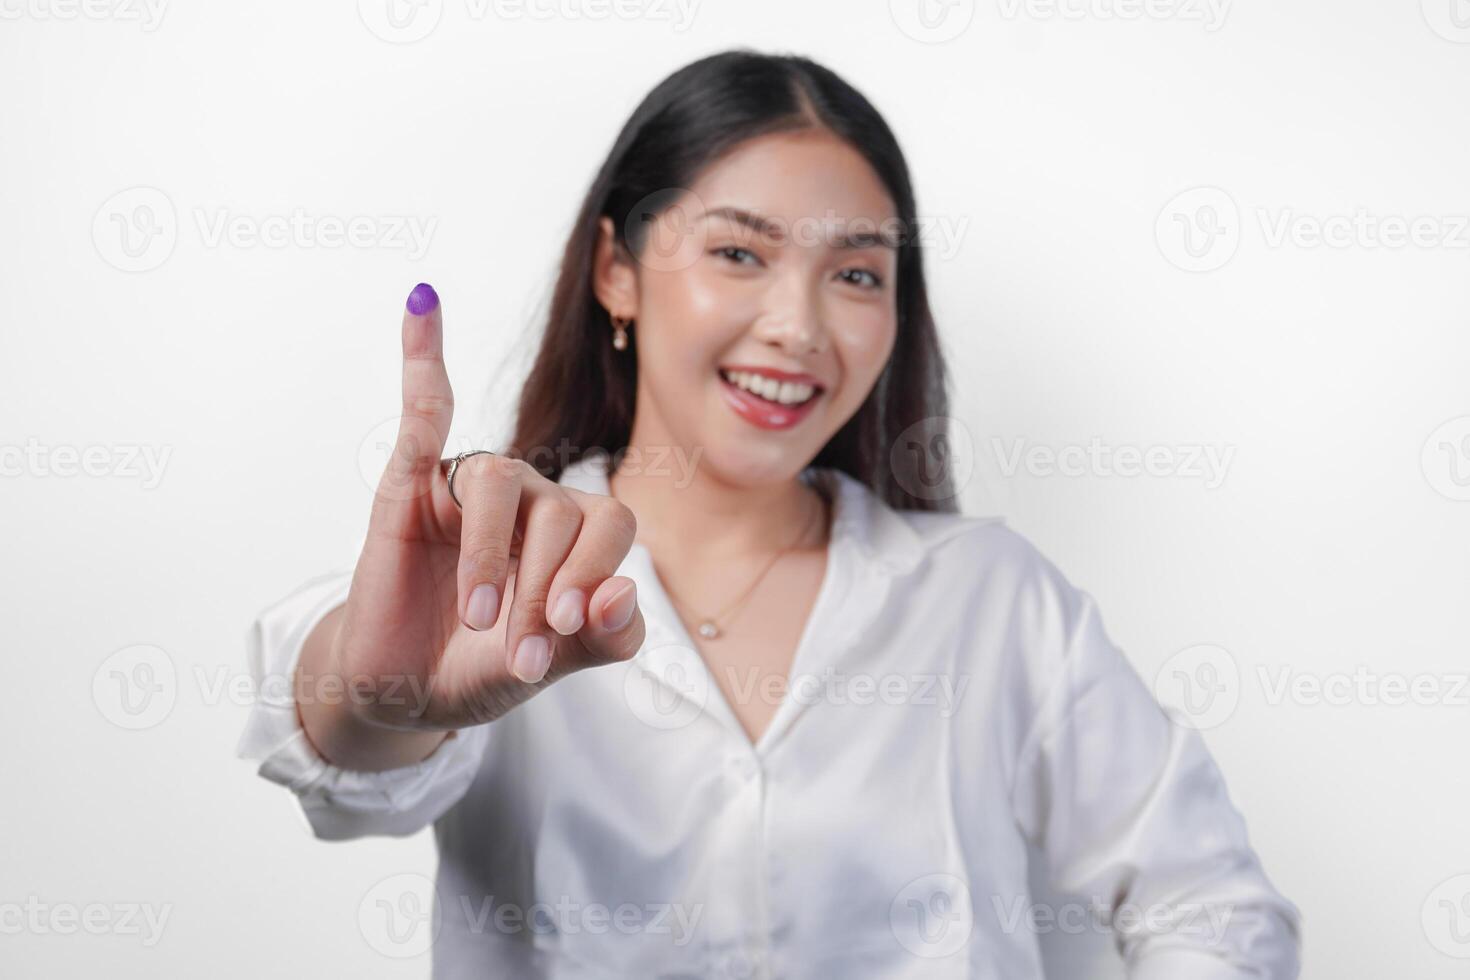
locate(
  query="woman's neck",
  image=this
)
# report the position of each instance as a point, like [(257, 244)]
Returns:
[(731, 523)]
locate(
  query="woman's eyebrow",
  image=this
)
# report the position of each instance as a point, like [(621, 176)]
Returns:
[(751, 220), (868, 235)]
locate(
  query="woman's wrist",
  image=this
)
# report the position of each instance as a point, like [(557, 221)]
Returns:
[(339, 728)]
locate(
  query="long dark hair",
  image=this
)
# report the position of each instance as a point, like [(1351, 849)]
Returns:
[(580, 392)]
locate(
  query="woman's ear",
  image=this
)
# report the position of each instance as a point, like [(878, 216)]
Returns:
[(614, 273)]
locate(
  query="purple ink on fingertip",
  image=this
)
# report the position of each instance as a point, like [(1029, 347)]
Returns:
[(422, 300)]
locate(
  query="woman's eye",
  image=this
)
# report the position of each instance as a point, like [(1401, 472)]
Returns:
[(733, 253), (872, 281)]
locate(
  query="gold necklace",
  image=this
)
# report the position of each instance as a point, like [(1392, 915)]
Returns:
[(709, 625)]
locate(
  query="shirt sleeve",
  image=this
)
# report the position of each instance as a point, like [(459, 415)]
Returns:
[(1132, 812), (339, 804)]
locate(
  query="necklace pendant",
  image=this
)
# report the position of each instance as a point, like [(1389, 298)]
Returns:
[(708, 630)]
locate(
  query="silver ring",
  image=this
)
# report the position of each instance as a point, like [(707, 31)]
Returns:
[(454, 465)]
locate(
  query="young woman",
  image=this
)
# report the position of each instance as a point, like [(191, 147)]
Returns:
[(702, 675)]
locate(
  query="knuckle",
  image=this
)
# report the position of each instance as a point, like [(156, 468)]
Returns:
[(532, 609), (564, 511), (485, 562), (426, 403), (506, 466), (479, 466), (618, 516)]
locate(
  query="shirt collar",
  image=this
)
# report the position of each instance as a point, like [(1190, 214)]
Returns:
[(871, 545)]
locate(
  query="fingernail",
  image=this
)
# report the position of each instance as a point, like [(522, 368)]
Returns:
[(479, 613), (533, 656), (422, 300), (619, 612), (568, 617)]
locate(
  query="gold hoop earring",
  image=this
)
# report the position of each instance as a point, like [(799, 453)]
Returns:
[(620, 332)]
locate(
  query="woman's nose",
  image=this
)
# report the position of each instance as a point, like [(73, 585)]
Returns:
[(792, 319)]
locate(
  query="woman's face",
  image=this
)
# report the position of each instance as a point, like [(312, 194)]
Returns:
[(777, 262)]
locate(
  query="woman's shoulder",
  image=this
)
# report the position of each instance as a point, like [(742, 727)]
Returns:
[(985, 559), (948, 537)]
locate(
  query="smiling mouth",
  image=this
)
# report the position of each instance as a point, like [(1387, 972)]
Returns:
[(786, 394)]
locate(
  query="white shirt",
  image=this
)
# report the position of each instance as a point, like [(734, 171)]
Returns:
[(954, 704)]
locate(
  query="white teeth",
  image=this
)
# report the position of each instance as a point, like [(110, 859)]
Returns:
[(784, 392)]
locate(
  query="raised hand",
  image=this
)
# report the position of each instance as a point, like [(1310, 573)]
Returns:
[(456, 615)]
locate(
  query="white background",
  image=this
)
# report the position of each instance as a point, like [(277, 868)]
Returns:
[(1054, 143)]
